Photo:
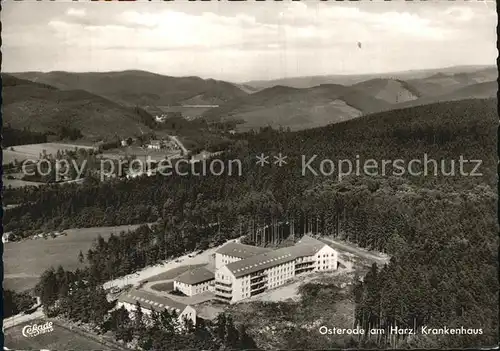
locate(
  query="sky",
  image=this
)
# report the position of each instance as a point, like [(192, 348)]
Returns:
[(243, 41)]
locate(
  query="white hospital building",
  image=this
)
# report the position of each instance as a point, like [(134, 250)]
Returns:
[(243, 271)]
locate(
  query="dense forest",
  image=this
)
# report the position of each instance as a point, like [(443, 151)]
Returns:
[(77, 296), (15, 302), (440, 230), (12, 137)]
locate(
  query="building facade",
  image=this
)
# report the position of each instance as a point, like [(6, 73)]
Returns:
[(195, 281), (151, 302), (241, 278)]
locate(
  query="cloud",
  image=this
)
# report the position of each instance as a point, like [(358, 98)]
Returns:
[(461, 14), (76, 12), (298, 25), (289, 39)]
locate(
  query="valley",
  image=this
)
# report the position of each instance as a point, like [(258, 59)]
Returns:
[(229, 176), (384, 226), (290, 105)]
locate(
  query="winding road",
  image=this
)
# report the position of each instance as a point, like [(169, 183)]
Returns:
[(22, 318), (181, 145), (377, 257)]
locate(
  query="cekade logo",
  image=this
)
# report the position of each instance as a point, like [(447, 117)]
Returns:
[(30, 331)]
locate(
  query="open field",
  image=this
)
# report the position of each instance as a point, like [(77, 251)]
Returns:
[(188, 112), (59, 339), (25, 260), (32, 151), (18, 183), (163, 287), (141, 153)]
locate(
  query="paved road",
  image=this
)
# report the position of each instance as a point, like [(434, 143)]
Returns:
[(22, 318), (379, 258), (150, 271), (181, 145)]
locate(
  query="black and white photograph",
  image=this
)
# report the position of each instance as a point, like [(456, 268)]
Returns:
[(249, 175)]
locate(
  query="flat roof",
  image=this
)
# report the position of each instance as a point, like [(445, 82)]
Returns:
[(241, 250), (306, 239), (260, 262), (273, 258), (195, 276), (151, 301)]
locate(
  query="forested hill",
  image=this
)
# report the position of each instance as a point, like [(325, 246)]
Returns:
[(134, 87), (440, 230), (443, 131), (298, 108), (45, 109)]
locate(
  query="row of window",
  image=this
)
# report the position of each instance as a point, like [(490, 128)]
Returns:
[(201, 289), (327, 261), (229, 259), (279, 271)]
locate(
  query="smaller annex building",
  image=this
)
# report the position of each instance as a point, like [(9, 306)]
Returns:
[(195, 281), (151, 302)]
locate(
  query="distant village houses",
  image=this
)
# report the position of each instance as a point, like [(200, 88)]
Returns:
[(164, 116), (156, 145), (162, 144), (161, 118), (126, 142)]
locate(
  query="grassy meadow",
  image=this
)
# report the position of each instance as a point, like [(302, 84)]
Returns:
[(25, 261)]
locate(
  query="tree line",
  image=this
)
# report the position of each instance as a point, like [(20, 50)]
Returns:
[(78, 296), (12, 136), (16, 302), (440, 230)]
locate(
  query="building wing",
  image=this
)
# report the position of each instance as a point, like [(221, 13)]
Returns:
[(275, 257), (241, 250), (151, 301), (196, 276)]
